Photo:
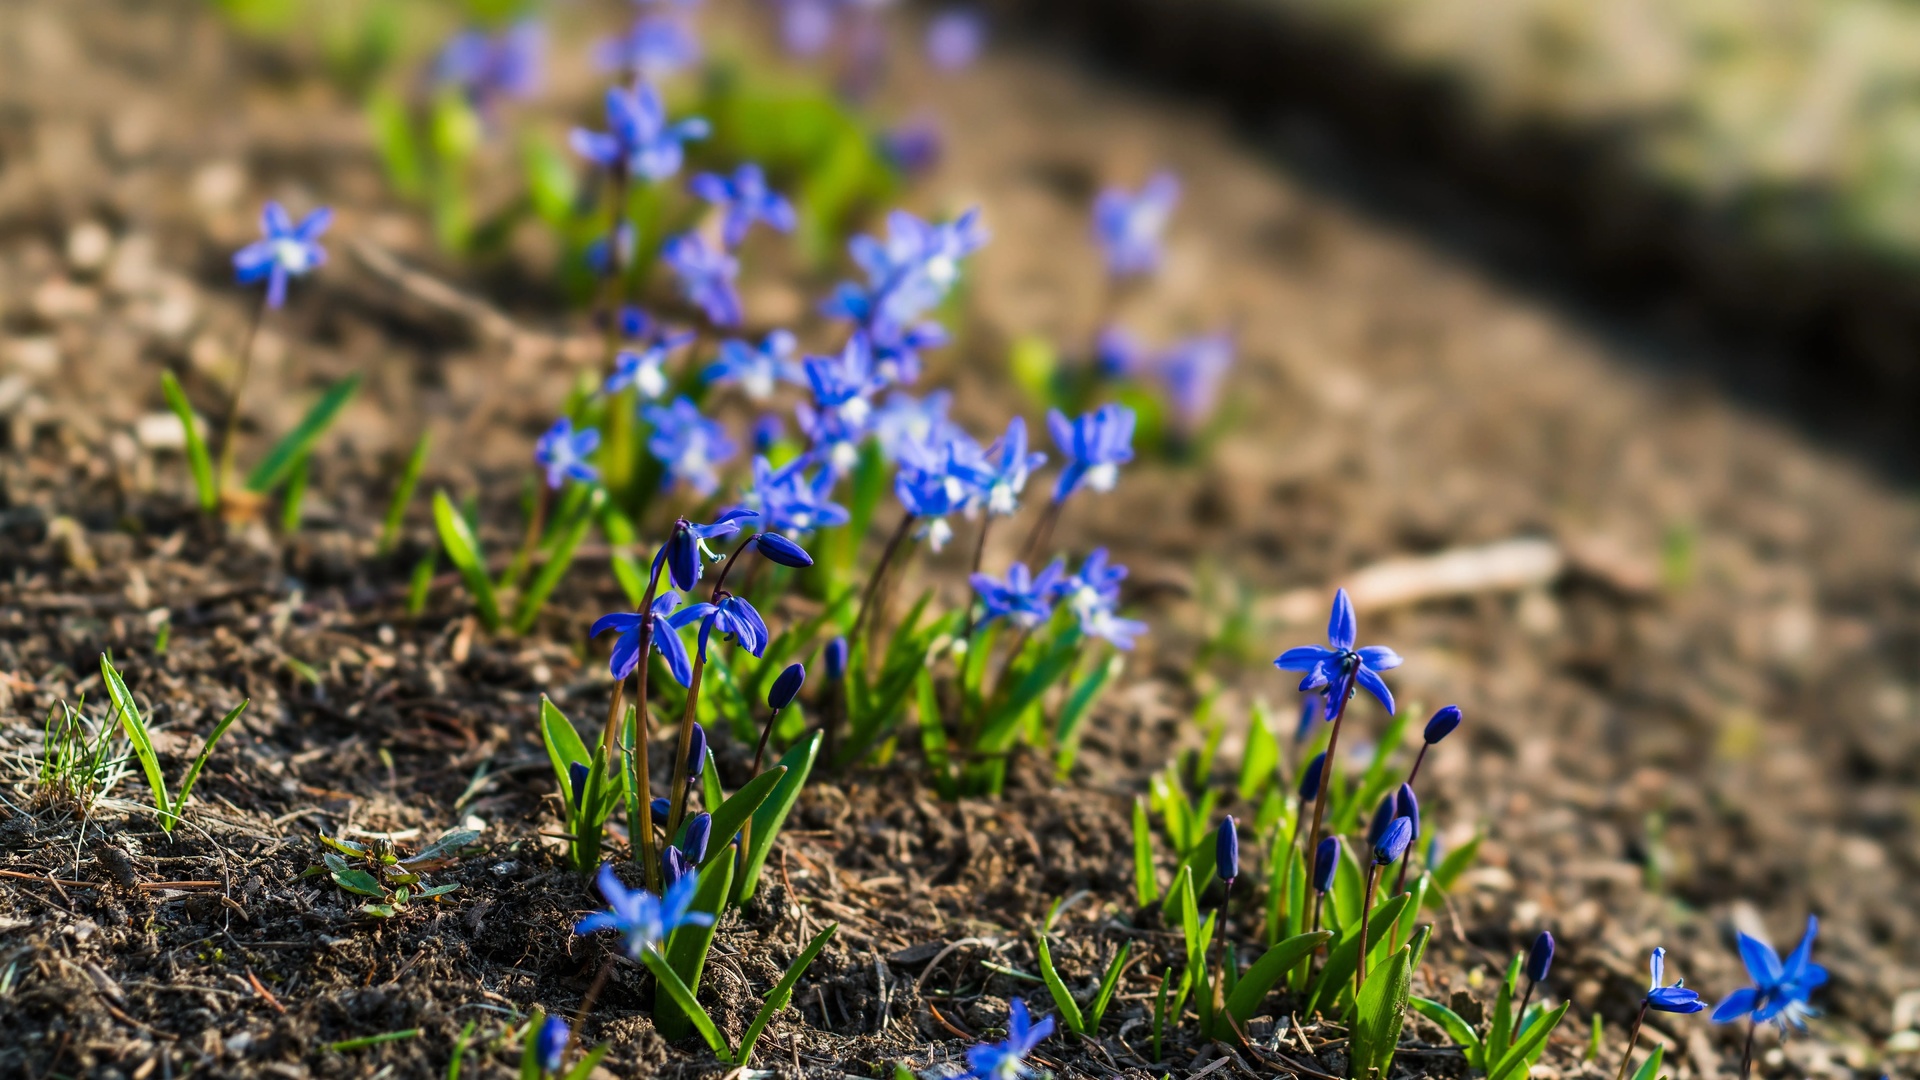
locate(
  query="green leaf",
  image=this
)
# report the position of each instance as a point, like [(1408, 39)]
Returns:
[(1273, 965), (460, 1049), (585, 1066), (1454, 864), (530, 1046), (1062, 997), (419, 583), (678, 993), (197, 459), (557, 563), (734, 812), (1145, 889), (1500, 1029), (286, 453), (403, 493), (1261, 759), (772, 813), (451, 842), (393, 138), (782, 993), (136, 728), (1337, 975), (1650, 1068), (687, 947), (1519, 1057), (1454, 1025), (200, 760), (1066, 732), (1378, 1014), (564, 747), (933, 736), (293, 500), (352, 878), (621, 537), (1108, 984), (464, 551)]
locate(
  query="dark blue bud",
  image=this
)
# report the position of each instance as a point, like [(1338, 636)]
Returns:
[(1310, 778), (1325, 859), (683, 559), (786, 687), (661, 807), (578, 774), (836, 659), (673, 866), (1442, 724), (694, 843), (551, 1044), (1540, 957), (1383, 816), (1393, 842), (1309, 714), (696, 755), (1408, 807), (1226, 851), (783, 551)]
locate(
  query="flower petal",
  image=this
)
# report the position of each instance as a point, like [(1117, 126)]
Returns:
[(1380, 658), (1762, 962), (1796, 964), (1304, 658), (1341, 624), (1738, 1004), (619, 620), (1375, 685)]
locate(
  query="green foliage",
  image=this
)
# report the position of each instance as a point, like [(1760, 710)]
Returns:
[(772, 814), (403, 493), (682, 998), (782, 993), (1146, 889), (76, 759), (1260, 762), (1378, 1014), (197, 457), (1250, 989), (568, 535), (293, 447), (586, 815), (1334, 984), (1062, 997), (463, 550), (687, 948), (392, 882), (1080, 701), (135, 727)]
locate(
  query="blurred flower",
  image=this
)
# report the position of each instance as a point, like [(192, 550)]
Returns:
[(1338, 665), (563, 452), (284, 250), (1442, 724), (1001, 473), (931, 494), (1779, 992), (806, 26), (757, 371), (653, 48), (1094, 595), (706, 277), (835, 657), (1192, 372), (688, 444), (640, 140), (745, 198), (1309, 713), (626, 650), (1095, 445), (1129, 226), (788, 500), (1393, 844), (915, 430), (487, 68), (767, 431), (643, 920), (645, 370), (1007, 1060), (955, 38), (909, 273), (1022, 598), (1118, 354), (1540, 957), (1671, 999), (601, 250), (841, 387), (912, 147), (551, 1044)]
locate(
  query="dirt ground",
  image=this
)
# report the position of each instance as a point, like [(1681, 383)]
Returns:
[(1707, 722)]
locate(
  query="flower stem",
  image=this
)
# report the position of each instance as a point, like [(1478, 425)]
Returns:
[(682, 774), (1042, 533), (860, 616), (1520, 1017), (1746, 1061), (1326, 779), (642, 772), (232, 425), (1366, 907), (1633, 1039), (536, 525)]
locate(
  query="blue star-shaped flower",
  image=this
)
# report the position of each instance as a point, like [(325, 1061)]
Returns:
[(915, 430), (745, 198), (654, 47), (285, 250), (551, 1044), (563, 452), (687, 545), (1001, 474), (487, 68), (664, 640), (788, 500), (1096, 445), (1338, 666), (1673, 999), (706, 277), (1008, 1060), (689, 444), (1094, 595), (757, 370), (639, 139), (643, 920), (1129, 226), (1024, 599), (910, 272), (734, 617), (1192, 371), (1779, 992), (645, 370)]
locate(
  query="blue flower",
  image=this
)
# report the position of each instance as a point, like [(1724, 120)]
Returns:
[(640, 139), (1226, 851), (1407, 806), (1094, 596), (930, 496), (680, 860), (1393, 844), (1779, 992), (955, 38), (687, 544), (1326, 859), (909, 273), (834, 656), (1007, 1060), (1128, 226), (1001, 473), (915, 430), (842, 383), (688, 444), (734, 617), (643, 920), (786, 687), (1383, 816), (788, 500), (285, 250), (776, 548), (1540, 957), (1118, 354), (1338, 666), (1310, 778), (626, 650), (654, 47), (551, 1044), (745, 198), (806, 26), (1671, 999), (486, 68), (706, 277), (768, 430), (1442, 724), (563, 452), (912, 147), (601, 250), (1022, 598), (1192, 371), (1096, 445), (757, 370), (645, 370), (896, 350)]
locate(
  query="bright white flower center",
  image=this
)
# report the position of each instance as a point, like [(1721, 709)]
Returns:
[(1001, 500), (1103, 477), (855, 411), (758, 383), (650, 380), (294, 255), (845, 456), (938, 533)]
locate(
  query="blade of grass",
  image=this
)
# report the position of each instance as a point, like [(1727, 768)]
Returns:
[(677, 990), (135, 726), (464, 551), (403, 493), (782, 993), (200, 761), (286, 453), (556, 566), (197, 459)]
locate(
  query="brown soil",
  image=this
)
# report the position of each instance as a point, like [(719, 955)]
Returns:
[(1752, 694)]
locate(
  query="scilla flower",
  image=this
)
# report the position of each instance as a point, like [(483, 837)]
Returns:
[(551, 1044), (489, 67), (1192, 371), (284, 251), (653, 48), (930, 495), (639, 140), (788, 500), (1673, 999), (1129, 226), (1001, 473), (706, 277), (563, 453), (1095, 445), (689, 444), (1326, 859), (643, 920), (1393, 843), (1226, 851), (687, 546), (682, 859), (1780, 990), (757, 370), (1023, 599), (645, 370), (663, 639), (1337, 665), (1008, 1060), (745, 198)]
